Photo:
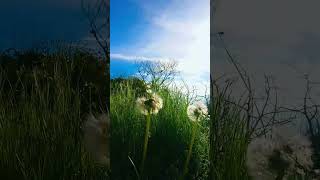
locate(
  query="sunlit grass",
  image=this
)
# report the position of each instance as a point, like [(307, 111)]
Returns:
[(170, 135)]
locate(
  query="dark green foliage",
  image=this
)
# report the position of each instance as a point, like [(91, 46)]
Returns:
[(119, 83), (86, 74), (43, 101)]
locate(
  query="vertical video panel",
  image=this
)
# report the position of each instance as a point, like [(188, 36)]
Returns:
[(265, 90), (160, 68), (54, 85)]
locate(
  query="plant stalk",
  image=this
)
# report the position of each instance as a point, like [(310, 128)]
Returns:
[(145, 146), (186, 164)]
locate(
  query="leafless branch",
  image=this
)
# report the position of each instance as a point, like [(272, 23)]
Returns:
[(158, 73), (97, 13)]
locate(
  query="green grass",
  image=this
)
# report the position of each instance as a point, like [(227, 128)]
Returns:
[(41, 113), (228, 142), (169, 140), (228, 139), (44, 100)]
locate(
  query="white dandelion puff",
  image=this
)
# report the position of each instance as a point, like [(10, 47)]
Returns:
[(96, 138), (197, 111), (140, 102), (283, 155), (150, 105), (148, 89), (158, 102)]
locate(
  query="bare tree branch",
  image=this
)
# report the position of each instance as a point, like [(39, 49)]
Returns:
[(97, 13), (158, 73)]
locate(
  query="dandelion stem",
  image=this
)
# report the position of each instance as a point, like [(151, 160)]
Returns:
[(145, 146), (280, 175), (186, 164)]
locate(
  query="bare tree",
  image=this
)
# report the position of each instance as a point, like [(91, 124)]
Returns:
[(309, 109), (309, 112), (261, 112), (158, 73)]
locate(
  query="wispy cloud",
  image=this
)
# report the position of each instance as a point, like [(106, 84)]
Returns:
[(136, 58)]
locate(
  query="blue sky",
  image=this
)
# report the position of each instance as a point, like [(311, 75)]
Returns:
[(162, 30), (122, 68), (126, 21), (153, 30), (126, 16)]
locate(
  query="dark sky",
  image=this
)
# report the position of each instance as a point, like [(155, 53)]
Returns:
[(28, 22)]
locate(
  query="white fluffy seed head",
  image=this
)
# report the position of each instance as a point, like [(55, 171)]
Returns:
[(292, 150), (148, 89), (96, 138), (197, 111), (157, 101), (150, 105), (140, 103)]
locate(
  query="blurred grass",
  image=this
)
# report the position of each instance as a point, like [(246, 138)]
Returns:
[(43, 99), (169, 140)]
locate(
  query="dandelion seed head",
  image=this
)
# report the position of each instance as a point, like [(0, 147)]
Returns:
[(96, 138), (267, 156), (140, 103), (148, 89), (158, 101), (302, 150), (257, 159), (150, 105), (197, 111)]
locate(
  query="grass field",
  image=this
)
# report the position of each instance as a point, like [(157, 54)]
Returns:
[(169, 139), (232, 150), (42, 108), (228, 142), (45, 99)]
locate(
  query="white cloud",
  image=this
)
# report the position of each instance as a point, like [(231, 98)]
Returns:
[(179, 31), (136, 58)]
